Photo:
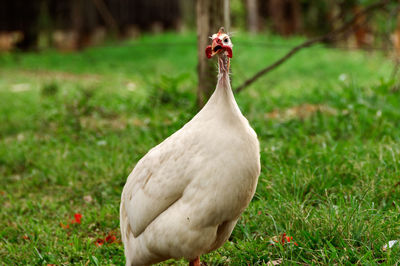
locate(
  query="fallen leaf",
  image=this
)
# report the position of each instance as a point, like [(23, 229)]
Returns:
[(64, 226), (111, 238), (390, 244), (88, 198), (283, 239), (77, 218), (20, 87), (300, 112), (99, 242), (274, 262), (101, 143), (131, 86)]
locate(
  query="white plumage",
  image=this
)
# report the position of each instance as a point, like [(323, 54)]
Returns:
[(185, 195)]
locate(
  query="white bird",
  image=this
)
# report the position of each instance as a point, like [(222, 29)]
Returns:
[(185, 195)]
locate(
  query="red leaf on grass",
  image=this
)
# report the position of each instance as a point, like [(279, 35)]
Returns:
[(99, 242), (111, 238), (64, 226), (25, 237), (285, 239), (77, 219)]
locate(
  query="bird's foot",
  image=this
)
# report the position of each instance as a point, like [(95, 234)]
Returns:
[(195, 262)]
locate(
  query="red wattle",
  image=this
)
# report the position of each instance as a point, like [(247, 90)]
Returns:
[(208, 51), (229, 51)]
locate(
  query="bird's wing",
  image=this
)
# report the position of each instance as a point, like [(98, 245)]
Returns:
[(158, 181)]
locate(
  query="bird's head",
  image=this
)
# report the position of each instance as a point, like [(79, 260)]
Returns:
[(221, 44)]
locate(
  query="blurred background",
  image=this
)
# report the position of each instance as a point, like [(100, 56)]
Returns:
[(76, 24)]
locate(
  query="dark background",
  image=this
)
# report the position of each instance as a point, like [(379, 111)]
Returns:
[(75, 24)]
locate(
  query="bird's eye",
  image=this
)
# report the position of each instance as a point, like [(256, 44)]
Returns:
[(226, 40)]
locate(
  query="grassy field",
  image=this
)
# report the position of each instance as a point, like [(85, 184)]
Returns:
[(72, 127)]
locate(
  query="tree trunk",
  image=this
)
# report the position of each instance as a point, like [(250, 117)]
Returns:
[(211, 15), (107, 16), (252, 15), (361, 29), (396, 38), (286, 16), (77, 18), (186, 8)]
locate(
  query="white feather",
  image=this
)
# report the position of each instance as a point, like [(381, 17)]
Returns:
[(185, 195)]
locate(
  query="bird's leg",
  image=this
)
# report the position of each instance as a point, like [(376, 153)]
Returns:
[(195, 262)]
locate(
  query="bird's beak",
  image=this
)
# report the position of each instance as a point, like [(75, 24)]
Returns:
[(217, 47)]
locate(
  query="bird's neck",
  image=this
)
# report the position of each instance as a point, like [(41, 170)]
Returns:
[(223, 89), (223, 66), (223, 98)]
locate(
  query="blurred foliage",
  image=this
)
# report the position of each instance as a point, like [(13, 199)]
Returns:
[(238, 14)]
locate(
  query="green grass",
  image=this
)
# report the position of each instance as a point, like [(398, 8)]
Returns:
[(74, 125)]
